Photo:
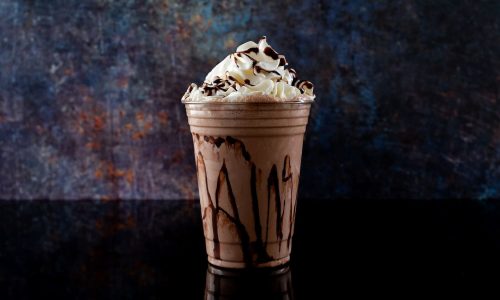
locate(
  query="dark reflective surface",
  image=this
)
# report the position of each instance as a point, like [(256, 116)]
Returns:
[(155, 250), (225, 284)]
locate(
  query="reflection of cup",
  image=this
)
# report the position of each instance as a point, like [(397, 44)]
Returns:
[(248, 162), (240, 284)]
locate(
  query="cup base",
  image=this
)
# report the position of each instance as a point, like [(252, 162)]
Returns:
[(241, 265), (243, 272)]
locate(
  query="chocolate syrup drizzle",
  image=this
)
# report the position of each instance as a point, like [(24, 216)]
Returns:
[(216, 141), (235, 218), (210, 206), (287, 175), (259, 246), (273, 185)]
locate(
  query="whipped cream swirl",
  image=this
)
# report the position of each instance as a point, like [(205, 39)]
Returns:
[(255, 69)]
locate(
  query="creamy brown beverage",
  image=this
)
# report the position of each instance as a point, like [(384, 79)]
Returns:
[(248, 121)]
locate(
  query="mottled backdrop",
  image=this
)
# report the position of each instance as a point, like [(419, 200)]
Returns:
[(407, 94)]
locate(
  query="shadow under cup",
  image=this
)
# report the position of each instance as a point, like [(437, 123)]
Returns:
[(248, 163)]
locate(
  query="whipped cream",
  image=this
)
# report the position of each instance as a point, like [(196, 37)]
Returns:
[(255, 69)]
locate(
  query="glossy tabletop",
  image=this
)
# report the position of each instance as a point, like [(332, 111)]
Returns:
[(152, 249)]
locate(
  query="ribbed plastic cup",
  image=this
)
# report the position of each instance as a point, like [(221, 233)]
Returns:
[(248, 163)]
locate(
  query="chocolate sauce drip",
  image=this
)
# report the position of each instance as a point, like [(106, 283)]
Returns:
[(292, 224), (201, 161), (224, 176), (267, 218), (215, 233), (244, 237), (235, 218), (271, 53), (255, 203), (216, 209), (214, 141), (239, 145), (262, 255), (273, 185), (287, 175)]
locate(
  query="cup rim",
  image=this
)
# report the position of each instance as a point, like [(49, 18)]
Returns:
[(248, 103), (303, 101), (256, 99)]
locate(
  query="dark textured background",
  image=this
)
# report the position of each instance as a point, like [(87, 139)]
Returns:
[(407, 94)]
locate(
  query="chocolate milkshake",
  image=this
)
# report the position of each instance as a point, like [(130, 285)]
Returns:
[(248, 121)]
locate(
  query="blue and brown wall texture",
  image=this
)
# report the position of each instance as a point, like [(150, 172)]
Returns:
[(407, 94)]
